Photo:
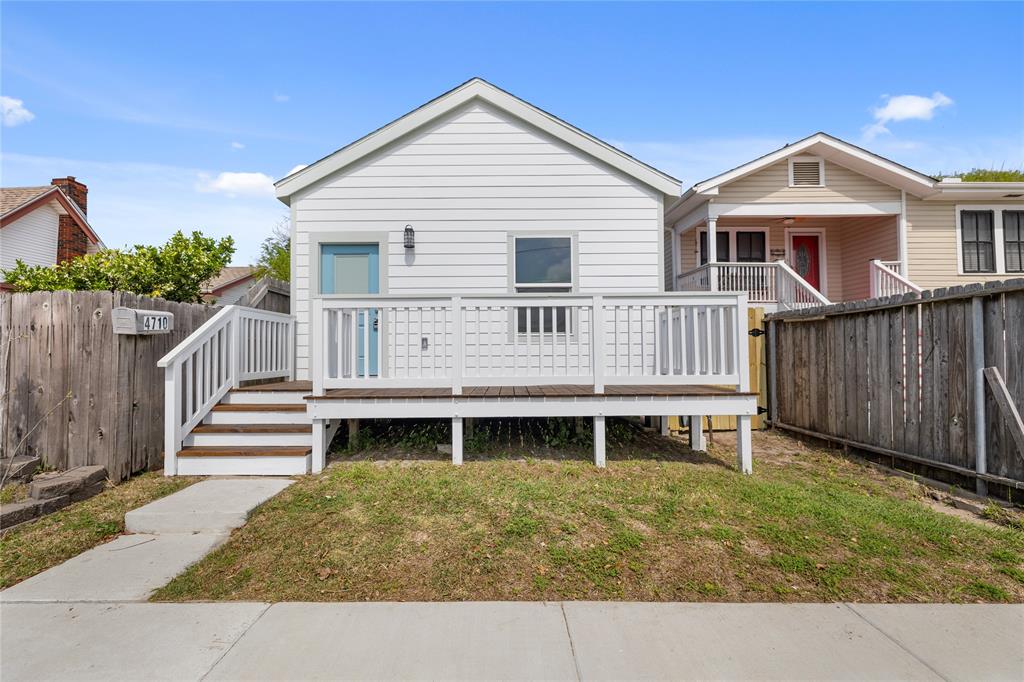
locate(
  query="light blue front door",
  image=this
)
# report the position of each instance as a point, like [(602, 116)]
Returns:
[(353, 269)]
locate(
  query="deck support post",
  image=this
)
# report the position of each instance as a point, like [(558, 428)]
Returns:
[(456, 440), (697, 440), (599, 444), (744, 445), (319, 457), (663, 423), (353, 432)]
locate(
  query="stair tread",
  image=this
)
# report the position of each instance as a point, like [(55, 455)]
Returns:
[(259, 407), (253, 428), (251, 451)]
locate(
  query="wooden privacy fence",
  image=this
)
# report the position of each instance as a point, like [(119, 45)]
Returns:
[(902, 377), (74, 393)]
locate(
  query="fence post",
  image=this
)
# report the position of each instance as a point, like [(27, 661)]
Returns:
[(457, 340), (978, 370), (773, 409), (597, 341)]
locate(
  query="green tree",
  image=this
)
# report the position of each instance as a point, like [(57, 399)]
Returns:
[(989, 175), (174, 271), (276, 253)]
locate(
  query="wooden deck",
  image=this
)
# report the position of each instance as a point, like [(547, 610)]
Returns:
[(551, 391)]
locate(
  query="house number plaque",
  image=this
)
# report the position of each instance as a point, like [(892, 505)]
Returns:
[(132, 321)]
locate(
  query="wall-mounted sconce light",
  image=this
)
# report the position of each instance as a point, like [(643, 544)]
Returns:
[(788, 221), (410, 237)]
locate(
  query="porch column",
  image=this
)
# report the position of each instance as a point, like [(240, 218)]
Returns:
[(456, 440), (319, 446), (712, 253), (599, 447), (744, 446), (901, 236), (697, 441)]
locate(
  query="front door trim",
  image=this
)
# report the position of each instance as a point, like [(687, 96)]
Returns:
[(822, 251)]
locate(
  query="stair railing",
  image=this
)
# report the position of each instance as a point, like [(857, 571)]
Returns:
[(235, 345), (886, 281), (793, 291)]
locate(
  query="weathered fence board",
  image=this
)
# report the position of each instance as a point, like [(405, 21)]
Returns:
[(896, 375), (75, 393)]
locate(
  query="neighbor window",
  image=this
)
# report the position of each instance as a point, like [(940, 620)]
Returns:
[(543, 265), (1013, 240), (722, 243), (977, 241), (750, 247)]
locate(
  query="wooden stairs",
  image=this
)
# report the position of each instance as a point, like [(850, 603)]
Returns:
[(257, 430)]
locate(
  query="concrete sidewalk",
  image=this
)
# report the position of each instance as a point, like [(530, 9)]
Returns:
[(509, 640)]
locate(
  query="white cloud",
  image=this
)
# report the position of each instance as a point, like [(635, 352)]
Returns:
[(237, 145), (237, 184), (904, 108), (280, 97), (14, 112)]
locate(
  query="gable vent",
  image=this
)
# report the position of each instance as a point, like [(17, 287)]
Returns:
[(807, 173)]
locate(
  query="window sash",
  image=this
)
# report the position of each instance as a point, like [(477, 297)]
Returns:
[(522, 279), (1013, 240), (721, 240), (977, 238), (750, 247)]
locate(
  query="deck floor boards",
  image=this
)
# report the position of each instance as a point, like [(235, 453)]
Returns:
[(545, 391)]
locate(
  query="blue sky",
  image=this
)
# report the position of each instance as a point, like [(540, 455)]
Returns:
[(176, 115)]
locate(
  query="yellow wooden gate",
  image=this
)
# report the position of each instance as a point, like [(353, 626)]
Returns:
[(758, 380)]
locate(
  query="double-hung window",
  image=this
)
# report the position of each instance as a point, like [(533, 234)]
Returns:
[(750, 247), (1013, 240), (977, 241), (543, 265)]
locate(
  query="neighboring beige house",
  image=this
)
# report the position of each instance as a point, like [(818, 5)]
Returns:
[(229, 285), (852, 224), (45, 225)]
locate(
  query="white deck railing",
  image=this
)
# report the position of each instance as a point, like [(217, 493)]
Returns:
[(764, 283), (237, 344), (382, 341), (886, 279)]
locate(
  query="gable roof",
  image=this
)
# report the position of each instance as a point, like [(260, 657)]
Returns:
[(16, 202), (227, 277), (831, 149), (476, 88)]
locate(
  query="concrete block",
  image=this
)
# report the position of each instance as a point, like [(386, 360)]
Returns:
[(211, 506), (52, 504), (127, 568), (19, 467), (407, 641), (116, 642), (67, 482), (85, 492), (18, 512)]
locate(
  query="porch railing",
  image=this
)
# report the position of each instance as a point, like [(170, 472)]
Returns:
[(457, 342), (764, 283), (235, 345), (886, 279)]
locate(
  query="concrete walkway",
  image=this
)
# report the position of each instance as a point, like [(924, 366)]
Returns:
[(169, 535), (509, 640)]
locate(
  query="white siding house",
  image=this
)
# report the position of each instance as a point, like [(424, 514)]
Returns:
[(477, 257), (31, 238)]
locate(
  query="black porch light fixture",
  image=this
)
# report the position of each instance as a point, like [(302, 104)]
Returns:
[(410, 237)]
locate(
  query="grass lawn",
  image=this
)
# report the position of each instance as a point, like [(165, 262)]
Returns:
[(660, 523), (35, 546)]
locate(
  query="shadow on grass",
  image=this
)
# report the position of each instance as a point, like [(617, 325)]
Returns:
[(552, 439)]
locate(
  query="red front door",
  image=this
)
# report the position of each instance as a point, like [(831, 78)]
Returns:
[(806, 258)]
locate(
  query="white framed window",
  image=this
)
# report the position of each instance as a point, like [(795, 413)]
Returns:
[(806, 171), (989, 239), (543, 264), (735, 245)]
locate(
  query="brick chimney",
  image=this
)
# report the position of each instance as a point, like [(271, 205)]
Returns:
[(74, 190), (71, 240)]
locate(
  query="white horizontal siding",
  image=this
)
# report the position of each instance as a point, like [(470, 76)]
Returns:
[(31, 238), (465, 184)]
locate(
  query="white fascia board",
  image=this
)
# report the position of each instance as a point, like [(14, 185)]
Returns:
[(834, 150), (807, 209), (694, 217), (477, 89), (987, 191)]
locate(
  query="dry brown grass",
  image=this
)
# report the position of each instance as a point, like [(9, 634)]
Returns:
[(807, 526)]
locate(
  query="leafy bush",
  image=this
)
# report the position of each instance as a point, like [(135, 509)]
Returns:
[(989, 175), (276, 254), (174, 271)]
